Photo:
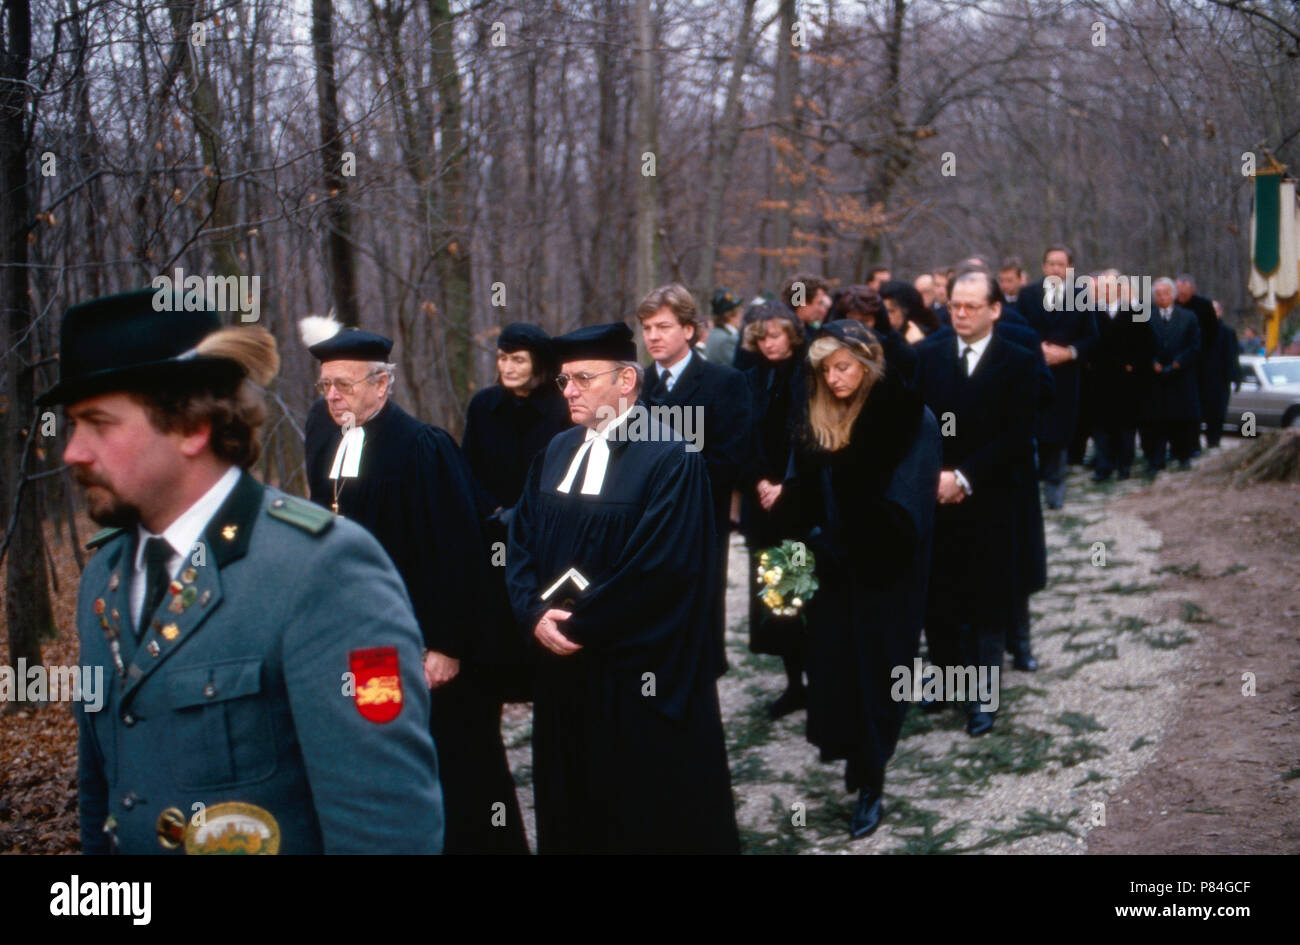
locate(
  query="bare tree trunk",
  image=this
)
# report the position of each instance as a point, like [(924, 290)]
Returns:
[(720, 170), (342, 260), (647, 196), (451, 246), (784, 92), (28, 613)]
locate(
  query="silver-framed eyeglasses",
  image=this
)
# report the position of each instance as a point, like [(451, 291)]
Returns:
[(343, 387), (582, 380)]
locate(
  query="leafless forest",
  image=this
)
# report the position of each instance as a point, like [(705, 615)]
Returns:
[(434, 169)]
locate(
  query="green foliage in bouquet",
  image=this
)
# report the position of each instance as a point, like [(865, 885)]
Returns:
[(786, 578)]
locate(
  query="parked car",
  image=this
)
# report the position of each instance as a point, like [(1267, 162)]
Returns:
[(1270, 389)]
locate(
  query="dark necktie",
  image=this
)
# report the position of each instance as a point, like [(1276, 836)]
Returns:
[(659, 386), (157, 552), (965, 356)]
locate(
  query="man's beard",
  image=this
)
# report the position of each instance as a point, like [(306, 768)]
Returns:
[(105, 507)]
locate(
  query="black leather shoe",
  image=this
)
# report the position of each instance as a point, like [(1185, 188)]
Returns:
[(792, 700), (866, 815), (1024, 661), (979, 723)]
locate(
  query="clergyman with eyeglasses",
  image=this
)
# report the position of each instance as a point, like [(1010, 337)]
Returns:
[(610, 570), (409, 484)]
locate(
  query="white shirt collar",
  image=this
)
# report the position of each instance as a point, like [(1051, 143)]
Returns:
[(184, 533), (596, 443), (977, 349), (675, 370)]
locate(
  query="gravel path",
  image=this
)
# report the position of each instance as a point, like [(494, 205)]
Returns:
[(1111, 661)]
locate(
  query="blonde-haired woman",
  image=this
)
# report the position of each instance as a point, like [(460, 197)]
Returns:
[(866, 470)]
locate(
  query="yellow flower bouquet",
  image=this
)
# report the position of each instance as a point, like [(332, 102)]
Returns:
[(786, 578)]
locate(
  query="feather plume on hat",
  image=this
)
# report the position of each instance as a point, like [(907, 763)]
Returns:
[(313, 329), (253, 349)]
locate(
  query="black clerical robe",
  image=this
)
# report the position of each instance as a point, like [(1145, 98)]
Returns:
[(628, 748), (415, 493)]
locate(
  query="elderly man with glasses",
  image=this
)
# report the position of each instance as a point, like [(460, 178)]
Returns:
[(610, 571), (408, 483)]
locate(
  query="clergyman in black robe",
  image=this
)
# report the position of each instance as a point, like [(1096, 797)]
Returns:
[(628, 748), (412, 489)]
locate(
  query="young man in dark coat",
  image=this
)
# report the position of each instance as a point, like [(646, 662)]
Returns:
[(408, 484), (982, 390), (1173, 404), (606, 572), (1068, 337), (722, 417)]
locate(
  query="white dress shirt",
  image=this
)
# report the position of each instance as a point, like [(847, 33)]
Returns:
[(182, 534), (674, 370), (977, 351), (596, 443)]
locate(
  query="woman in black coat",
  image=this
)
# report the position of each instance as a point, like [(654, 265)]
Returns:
[(507, 425), (513, 420), (866, 474), (775, 337)]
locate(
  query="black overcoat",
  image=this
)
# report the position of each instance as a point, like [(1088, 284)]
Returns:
[(867, 513), (503, 433), (1174, 394), (992, 414), (1055, 425)]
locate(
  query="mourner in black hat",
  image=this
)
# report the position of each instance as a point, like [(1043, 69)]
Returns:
[(409, 484), (607, 572), (224, 614), (865, 470), (510, 422)]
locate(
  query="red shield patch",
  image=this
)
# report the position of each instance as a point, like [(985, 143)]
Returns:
[(378, 678)]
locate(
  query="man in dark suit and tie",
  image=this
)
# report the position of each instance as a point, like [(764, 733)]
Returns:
[(1068, 337), (1031, 569), (1173, 405), (720, 397), (982, 389), (1124, 351)]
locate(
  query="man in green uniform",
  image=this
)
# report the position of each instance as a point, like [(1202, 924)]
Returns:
[(267, 694)]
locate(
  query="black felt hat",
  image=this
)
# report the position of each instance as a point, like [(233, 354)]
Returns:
[(851, 332), (353, 344), (612, 342), (134, 341), (724, 302)]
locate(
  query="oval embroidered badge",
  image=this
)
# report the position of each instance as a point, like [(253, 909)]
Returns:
[(233, 827)]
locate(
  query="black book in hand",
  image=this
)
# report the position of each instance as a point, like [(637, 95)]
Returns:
[(571, 580)]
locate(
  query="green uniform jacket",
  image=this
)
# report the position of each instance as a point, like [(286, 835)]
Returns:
[(274, 701)]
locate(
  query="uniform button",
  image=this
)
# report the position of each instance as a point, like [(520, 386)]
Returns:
[(278, 504), (128, 719), (129, 801), (153, 648), (209, 691)]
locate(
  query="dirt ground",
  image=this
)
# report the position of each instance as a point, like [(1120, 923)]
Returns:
[(1226, 777)]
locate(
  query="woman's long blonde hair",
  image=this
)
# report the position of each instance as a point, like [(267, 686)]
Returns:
[(830, 420)]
